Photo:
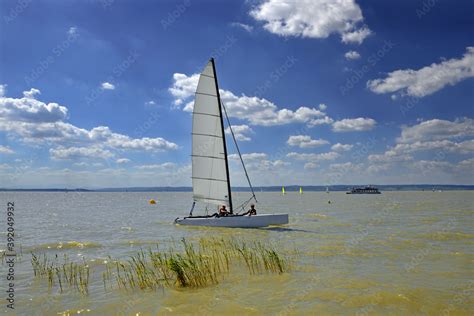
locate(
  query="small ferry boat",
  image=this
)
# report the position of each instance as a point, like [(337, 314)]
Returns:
[(364, 190)]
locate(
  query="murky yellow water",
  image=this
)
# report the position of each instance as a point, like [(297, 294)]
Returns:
[(396, 253)]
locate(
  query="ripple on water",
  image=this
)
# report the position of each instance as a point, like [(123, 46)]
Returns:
[(446, 236), (140, 242), (65, 245), (70, 312), (317, 215), (339, 249), (378, 299), (400, 244), (431, 219), (354, 283)]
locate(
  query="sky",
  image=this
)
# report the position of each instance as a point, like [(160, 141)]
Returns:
[(319, 92)]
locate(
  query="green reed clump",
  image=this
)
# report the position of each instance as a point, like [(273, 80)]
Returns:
[(65, 273), (198, 266), (187, 264)]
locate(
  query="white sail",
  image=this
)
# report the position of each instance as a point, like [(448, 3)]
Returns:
[(210, 181)]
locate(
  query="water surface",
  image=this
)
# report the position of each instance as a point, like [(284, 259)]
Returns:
[(394, 253)]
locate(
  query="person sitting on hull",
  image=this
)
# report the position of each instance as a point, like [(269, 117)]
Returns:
[(252, 211), (223, 211)]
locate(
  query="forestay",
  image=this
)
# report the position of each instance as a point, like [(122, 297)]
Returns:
[(209, 175)]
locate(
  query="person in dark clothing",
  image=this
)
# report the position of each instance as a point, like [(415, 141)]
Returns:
[(223, 211), (252, 210)]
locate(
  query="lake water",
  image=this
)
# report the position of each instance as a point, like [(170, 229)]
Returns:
[(394, 253)]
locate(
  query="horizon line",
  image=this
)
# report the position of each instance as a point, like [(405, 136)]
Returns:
[(339, 187)]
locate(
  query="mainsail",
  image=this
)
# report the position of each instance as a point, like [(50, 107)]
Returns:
[(209, 153)]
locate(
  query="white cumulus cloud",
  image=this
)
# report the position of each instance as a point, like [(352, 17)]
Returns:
[(38, 123), (257, 111), (427, 80), (28, 109), (305, 141), (356, 36), (72, 153), (311, 165), (312, 18), (354, 125), (6, 150), (72, 30), (162, 166), (107, 86), (437, 129), (314, 157), (351, 55), (243, 26), (341, 147), (346, 167), (444, 140), (390, 157), (249, 157), (241, 132), (259, 162), (183, 87)]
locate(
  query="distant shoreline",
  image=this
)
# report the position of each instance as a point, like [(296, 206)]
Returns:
[(288, 188)]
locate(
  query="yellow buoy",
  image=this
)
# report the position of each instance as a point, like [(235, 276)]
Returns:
[(152, 201)]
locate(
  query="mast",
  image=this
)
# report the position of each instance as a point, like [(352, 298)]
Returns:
[(223, 136)]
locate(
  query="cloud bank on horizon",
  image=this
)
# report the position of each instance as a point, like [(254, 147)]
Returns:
[(94, 117)]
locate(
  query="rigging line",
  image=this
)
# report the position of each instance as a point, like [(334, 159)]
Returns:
[(238, 150), (243, 205)]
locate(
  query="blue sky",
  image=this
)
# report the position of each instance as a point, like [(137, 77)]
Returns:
[(98, 93)]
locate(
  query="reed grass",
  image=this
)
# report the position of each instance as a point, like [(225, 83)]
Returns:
[(72, 274), (187, 264)]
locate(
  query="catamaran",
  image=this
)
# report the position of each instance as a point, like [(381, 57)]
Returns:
[(210, 167)]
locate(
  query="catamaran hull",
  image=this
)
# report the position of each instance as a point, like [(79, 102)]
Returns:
[(254, 221)]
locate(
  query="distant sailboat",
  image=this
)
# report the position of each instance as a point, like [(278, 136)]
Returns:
[(283, 190), (301, 190), (210, 168)]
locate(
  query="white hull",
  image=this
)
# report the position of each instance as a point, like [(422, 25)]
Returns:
[(262, 220)]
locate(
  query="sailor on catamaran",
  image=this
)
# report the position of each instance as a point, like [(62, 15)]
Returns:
[(223, 211), (252, 211)]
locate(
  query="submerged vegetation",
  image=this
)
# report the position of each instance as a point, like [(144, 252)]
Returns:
[(203, 263)]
